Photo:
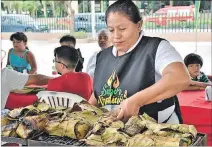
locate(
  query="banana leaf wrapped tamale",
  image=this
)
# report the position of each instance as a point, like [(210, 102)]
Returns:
[(140, 140), (4, 118), (42, 106), (104, 122), (170, 141), (21, 112), (153, 140), (112, 136), (86, 106), (72, 128), (30, 124), (94, 140), (86, 115), (164, 129), (134, 126), (10, 130)]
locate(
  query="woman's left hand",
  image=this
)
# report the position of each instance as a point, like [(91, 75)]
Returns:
[(128, 108)]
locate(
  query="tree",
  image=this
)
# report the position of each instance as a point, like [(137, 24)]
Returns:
[(70, 11), (30, 6), (17, 6)]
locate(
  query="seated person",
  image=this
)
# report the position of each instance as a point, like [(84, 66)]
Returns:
[(12, 80), (104, 42), (194, 63), (69, 40), (66, 59), (19, 57)]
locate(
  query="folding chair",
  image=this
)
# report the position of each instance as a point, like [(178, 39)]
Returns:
[(55, 99)]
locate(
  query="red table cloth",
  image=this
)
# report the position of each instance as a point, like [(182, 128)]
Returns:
[(196, 111), (20, 100)]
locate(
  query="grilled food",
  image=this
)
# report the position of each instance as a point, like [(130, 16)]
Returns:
[(94, 140), (134, 126), (86, 106), (31, 124), (9, 130), (4, 119), (72, 128), (112, 136), (95, 126)]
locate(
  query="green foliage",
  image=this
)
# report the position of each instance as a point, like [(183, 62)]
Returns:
[(80, 35)]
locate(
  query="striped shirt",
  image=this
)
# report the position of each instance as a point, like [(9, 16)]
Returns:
[(201, 78), (11, 80)]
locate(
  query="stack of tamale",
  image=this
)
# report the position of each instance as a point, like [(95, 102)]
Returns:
[(94, 126)]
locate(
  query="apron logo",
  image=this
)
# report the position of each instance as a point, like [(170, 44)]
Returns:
[(111, 93)]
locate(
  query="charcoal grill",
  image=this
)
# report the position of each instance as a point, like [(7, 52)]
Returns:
[(46, 140)]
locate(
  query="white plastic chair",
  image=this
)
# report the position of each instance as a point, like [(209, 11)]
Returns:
[(55, 99)]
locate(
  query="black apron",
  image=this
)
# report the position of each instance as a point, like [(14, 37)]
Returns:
[(117, 78)]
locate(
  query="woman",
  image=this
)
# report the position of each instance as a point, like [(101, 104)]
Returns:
[(139, 73), (19, 57)]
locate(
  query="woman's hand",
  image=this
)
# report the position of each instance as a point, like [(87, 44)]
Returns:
[(129, 107)]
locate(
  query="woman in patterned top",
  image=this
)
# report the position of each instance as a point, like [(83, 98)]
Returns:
[(194, 63)]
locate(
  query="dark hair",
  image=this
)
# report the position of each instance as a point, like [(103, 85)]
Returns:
[(193, 59), (68, 38), (18, 36), (68, 54), (126, 7)]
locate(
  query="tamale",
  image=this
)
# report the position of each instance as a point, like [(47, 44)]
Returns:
[(94, 140), (140, 140), (42, 106), (86, 106), (184, 129), (134, 126), (72, 128), (147, 117), (170, 141), (112, 135), (37, 122), (30, 124), (53, 127), (4, 119), (86, 115), (23, 131), (21, 112), (9, 130), (110, 121), (181, 128)]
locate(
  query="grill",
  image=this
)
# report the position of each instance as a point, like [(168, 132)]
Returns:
[(46, 140)]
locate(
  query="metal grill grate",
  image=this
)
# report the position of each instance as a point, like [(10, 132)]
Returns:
[(58, 140)]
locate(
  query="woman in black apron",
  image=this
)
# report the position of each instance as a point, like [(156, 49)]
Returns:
[(134, 75)]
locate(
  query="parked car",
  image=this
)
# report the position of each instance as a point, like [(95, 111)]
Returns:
[(21, 23), (171, 14), (83, 22)]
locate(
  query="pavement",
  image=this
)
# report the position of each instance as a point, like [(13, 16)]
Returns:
[(43, 51)]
